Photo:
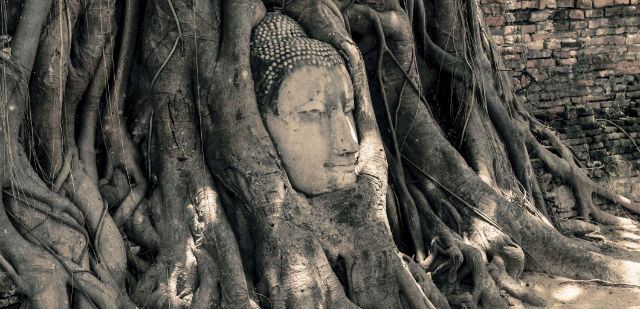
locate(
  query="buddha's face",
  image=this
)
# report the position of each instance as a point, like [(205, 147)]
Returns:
[(314, 129)]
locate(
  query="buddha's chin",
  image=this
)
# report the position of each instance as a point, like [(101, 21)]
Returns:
[(334, 179), (342, 177)]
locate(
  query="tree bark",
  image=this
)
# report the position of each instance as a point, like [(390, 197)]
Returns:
[(137, 171)]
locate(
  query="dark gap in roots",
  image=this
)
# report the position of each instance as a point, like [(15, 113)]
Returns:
[(341, 271)]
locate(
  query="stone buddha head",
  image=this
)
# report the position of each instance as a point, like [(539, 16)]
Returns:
[(305, 95)]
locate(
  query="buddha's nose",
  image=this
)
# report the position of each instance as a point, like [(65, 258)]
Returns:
[(344, 138)]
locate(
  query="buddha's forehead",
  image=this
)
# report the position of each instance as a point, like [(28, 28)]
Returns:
[(330, 85)]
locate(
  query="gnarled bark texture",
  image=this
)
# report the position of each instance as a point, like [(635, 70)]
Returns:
[(137, 172)]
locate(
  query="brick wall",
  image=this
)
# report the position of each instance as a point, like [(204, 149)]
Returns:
[(577, 65)]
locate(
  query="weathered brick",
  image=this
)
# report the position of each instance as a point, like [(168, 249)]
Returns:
[(599, 22), (512, 49), (542, 4), (553, 44), (584, 4), (594, 105), (509, 18), (546, 62), (632, 38), (567, 61), (570, 43), (576, 14), (605, 31), (510, 29), (564, 3), (612, 11), (578, 25), (594, 13), (630, 10), (539, 53), (628, 70), (631, 21), (507, 58), (546, 25), (539, 15), (529, 4), (494, 21), (537, 45), (559, 14), (540, 36), (561, 26), (586, 58), (602, 3), (528, 29), (556, 110)]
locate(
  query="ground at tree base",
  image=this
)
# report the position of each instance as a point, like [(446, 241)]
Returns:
[(566, 293), (557, 292), (560, 292)]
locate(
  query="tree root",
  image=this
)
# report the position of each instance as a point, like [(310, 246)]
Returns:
[(307, 251), (516, 127), (577, 227), (167, 284), (45, 274), (456, 252), (207, 294), (28, 184), (107, 238), (129, 205), (568, 170), (11, 271), (141, 230), (186, 275), (425, 282), (506, 282), (411, 289), (460, 258), (297, 277), (36, 205)]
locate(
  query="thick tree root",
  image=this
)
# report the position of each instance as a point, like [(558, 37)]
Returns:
[(46, 265), (584, 188), (200, 269), (44, 274), (198, 261), (332, 251), (516, 126), (425, 281), (509, 284), (454, 253), (453, 264)]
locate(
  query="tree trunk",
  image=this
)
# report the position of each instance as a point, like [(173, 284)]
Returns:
[(137, 170)]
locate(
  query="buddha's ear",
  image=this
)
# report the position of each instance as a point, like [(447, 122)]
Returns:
[(238, 147)]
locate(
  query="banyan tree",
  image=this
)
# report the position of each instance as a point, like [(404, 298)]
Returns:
[(277, 154)]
